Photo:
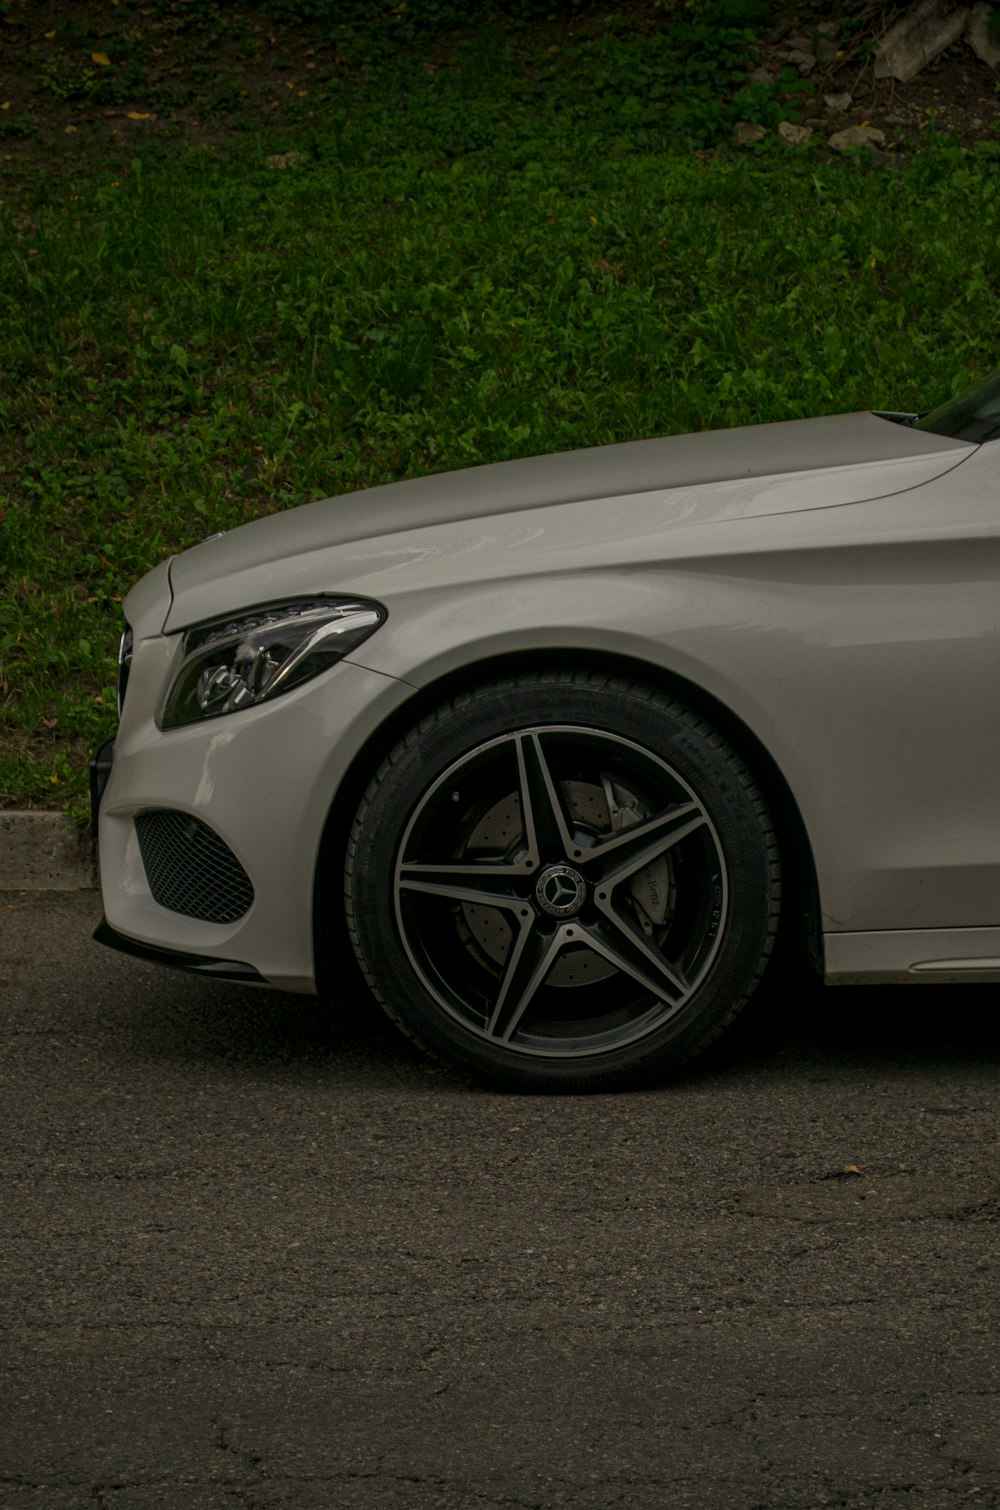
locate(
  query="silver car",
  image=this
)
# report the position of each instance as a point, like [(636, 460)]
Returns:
[(566, 747)]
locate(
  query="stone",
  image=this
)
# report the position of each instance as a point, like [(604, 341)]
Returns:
[(838, 102), (984, 43), (798, 58), (918, 39), (828, 28), (284, 159), (857, 136), (762, 75), (793, 135), (746, 132), (826, 50)]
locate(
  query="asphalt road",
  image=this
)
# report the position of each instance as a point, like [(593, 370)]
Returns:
[(256, 1253)]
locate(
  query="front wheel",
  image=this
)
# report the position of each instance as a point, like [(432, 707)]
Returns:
[(563, 881)]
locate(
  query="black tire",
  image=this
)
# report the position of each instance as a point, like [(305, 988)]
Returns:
[(563, 881)]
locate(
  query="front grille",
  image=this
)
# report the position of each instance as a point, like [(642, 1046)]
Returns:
[(190, 869)]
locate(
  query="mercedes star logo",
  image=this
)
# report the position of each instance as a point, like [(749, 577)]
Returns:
[(560, 890)]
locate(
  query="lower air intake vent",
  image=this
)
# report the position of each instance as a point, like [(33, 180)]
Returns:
[(190, 869)]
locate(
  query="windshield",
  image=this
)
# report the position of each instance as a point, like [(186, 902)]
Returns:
[(974, 415)]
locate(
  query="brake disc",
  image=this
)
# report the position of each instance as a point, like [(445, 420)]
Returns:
[(595, 811)]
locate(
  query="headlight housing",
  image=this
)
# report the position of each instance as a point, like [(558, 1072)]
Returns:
[(242, 661)]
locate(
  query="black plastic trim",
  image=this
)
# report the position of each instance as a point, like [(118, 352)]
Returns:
[(125, 651), (200, 964), (100, 770)]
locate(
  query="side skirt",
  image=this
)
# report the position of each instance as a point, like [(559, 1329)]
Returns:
[(912, 956)]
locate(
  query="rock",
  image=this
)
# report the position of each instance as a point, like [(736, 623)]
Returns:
[(984, 43), (762, 75), (284, 159), (745, 132), (918, 39), (857, 136), (838, 102), (792, 134), (828, 28), (826, 50), (799, 41), (798, 58)]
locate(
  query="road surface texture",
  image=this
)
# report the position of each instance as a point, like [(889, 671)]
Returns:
[(257, 1253)]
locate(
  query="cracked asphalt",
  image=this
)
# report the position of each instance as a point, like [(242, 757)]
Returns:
[(257, 1253)]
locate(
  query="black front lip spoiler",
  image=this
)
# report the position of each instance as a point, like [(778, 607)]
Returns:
[(200, 964)]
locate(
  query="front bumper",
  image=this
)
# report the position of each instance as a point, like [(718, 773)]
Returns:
[(264, 781)]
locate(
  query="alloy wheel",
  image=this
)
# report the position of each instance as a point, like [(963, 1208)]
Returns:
[(560, 890)]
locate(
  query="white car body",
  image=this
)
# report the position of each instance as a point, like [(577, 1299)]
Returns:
[(826, 590)]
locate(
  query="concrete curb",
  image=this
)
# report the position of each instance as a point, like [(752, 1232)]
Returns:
[(44, 852)]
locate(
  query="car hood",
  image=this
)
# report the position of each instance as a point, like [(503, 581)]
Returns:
[(302, 550)]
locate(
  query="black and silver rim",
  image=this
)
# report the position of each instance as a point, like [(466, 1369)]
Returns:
[(561, 891)]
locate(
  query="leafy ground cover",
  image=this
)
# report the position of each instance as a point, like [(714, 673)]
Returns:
[(505, 251)]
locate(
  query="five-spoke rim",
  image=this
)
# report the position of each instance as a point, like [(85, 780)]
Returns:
[(556, 887)]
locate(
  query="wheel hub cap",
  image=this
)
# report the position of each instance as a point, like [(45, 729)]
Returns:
[(560, 891)]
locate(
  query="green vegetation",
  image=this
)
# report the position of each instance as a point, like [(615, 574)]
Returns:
[(517, 251)]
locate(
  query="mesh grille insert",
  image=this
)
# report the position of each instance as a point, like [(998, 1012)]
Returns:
[(190, 869)]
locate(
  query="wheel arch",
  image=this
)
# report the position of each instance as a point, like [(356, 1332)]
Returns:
[(800, 936)]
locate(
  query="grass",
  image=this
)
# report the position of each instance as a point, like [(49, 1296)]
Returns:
[(486, 262)]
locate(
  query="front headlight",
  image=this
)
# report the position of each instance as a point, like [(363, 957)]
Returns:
[(239, 662)]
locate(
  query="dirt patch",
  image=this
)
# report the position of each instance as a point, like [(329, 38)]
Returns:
[(75, 76), (70, 75), (957, 97), (829, 69)]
